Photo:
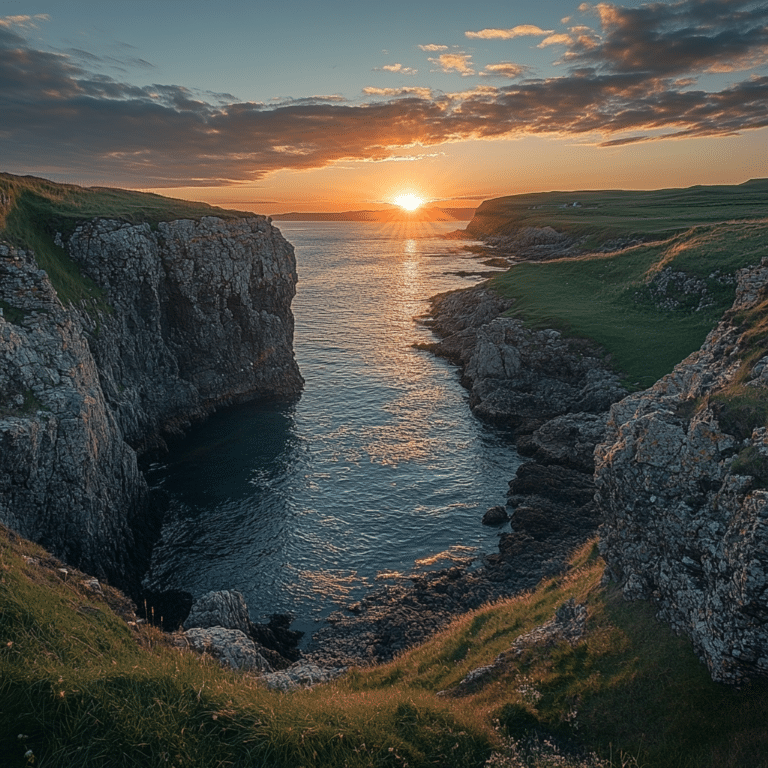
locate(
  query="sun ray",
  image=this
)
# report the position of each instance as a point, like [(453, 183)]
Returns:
[(409, 201)]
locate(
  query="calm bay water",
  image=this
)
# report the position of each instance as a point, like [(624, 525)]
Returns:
[(379, 469)]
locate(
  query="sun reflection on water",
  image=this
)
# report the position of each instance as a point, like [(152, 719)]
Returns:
[(458, 554), (335, 585)]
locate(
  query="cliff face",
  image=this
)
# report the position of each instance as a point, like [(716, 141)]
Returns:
[(200, 317), (681, 478)]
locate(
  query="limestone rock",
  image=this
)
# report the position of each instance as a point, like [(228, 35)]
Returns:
[(231, 647), (568, 440), (519, 377), (685, 502), (225, 608), (202, 318), (199, 316), (301, 676)]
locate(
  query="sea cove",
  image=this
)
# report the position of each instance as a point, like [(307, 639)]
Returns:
[(377, 470)]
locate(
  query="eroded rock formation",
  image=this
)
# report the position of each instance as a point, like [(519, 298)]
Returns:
[(518, 377), (198, 316), (682, 486)]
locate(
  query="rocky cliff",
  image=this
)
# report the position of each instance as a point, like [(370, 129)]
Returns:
[(519, 377), (682, 479), (197, 315)]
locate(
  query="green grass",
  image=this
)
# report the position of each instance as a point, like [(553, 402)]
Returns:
[(606, 297), (84, 689), (631, 689), (36, 209), (619, 213)]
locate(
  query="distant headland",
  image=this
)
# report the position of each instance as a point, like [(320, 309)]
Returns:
[(388, 215)]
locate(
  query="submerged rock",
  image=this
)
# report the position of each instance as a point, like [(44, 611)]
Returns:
[(496, 516)]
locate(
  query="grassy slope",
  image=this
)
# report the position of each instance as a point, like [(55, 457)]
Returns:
[(32, 210), (605, 296), (611, 213), (84, 689)]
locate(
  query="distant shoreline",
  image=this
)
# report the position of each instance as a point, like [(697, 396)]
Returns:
[(391, 215)]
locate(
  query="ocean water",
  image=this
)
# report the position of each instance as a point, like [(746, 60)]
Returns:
[(379, 470)]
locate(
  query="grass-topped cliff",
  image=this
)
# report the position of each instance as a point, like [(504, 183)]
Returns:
[(79, 686), (648, 274), (33, 210), (602, 215)]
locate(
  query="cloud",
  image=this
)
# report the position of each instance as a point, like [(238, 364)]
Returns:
[(560, 38), (624, 141), (421, 92), (505, 69), (678, 38), (638, 78), (455, 62), (507, 34), (23, 22), (399, 68), (432, 47)]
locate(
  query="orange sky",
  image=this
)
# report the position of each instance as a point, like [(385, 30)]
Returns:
[(303, 106), (464, 174)]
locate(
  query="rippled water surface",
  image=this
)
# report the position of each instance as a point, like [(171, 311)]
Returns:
[(378, 469)]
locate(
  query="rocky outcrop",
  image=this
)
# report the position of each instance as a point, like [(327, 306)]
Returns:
[(201, 318), (567, 440), (681, 477), (518, 377), (198, 316), (301, 675), (227, 609), (230, 647), (67, 478), (223, 608), (532, 244)]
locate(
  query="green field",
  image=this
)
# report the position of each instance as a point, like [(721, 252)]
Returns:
[(601, 215), (707, 233)]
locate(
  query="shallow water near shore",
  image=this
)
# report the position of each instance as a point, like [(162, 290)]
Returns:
[(377, 471)]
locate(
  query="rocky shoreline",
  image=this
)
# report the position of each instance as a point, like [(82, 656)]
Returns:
[(557, 416), (675, 476)]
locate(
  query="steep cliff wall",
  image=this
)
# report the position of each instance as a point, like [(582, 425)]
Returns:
[(682, 478), (199, 316)]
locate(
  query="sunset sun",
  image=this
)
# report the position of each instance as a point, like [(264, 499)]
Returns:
[(409, 201)]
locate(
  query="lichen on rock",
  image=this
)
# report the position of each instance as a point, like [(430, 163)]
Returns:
[(684, 501)]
